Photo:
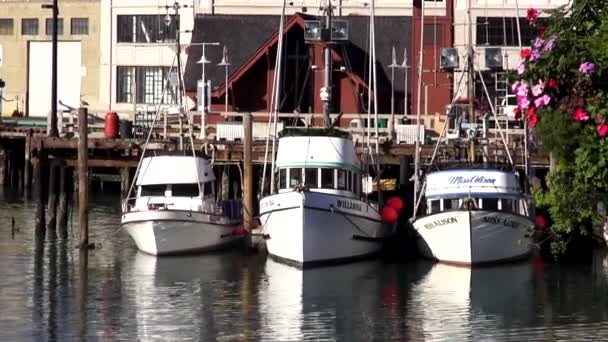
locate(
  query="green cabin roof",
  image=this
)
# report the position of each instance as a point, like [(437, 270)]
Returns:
[(314, 132)]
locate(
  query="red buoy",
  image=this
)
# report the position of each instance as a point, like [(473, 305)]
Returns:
[(540, 222), (389, 215), (395, 203), (110, 126)]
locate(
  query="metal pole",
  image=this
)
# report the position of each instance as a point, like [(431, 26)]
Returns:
[(328, 65), (420, 60), (226, 85), (470, 88), (83, 181), (203, 97), (53, 129)]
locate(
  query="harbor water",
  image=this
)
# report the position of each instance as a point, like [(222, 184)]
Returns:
[(115, 293)]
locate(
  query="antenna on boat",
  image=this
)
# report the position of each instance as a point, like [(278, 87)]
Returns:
[(326, 38), (471, 80)]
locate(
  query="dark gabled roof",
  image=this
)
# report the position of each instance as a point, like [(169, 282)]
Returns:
[(241, 34), (245, 35)]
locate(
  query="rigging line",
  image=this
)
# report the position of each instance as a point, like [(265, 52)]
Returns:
[(270, 118), (419, 98), (278, 65), (301, 95), (367, 235), (143, 152)]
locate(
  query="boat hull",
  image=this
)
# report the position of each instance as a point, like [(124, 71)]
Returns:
[(308, 228), (469, 237), (174, 231)]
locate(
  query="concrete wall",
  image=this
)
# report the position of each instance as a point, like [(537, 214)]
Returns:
[(115, 54), (341, 7), (14, 68)]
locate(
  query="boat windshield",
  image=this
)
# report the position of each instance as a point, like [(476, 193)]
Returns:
[(319, 178), (509, 205)]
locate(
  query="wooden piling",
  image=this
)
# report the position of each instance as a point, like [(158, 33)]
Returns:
[(38, 165), (62, 205), (247, 174), (52, 199), (27, 165), (3, 164), (83, 184), (125, 182)]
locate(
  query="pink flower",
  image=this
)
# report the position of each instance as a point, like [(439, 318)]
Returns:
[(602, 130), (550, 43), (586, 68), (515, 86), (538, 89), (532, 15), (580, 115), (522, 89), (534, 55), (538, 42), (542, 101), (523, 102)]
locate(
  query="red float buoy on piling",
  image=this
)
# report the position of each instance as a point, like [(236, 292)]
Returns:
[(110, 126), (389, 215)]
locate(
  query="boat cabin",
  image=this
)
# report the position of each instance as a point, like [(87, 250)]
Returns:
[(473, 189), (319, 161), (175, 182)]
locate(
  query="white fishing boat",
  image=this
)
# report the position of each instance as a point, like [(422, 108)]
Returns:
[(317, 213), (175, 208), (474, 216)]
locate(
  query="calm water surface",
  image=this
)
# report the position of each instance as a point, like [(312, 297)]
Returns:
[(126, 295)]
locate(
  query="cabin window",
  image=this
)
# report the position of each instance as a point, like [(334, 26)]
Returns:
[(283, 179), (341, 179), (434, 206), (208, 188), (490, 203), (349, 181), (311, 178), (327, 178), (153, 190), (450, 204), (295, 177), (508, 206), (184, 190)]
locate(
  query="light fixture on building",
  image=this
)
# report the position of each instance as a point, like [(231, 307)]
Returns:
[(449, 59), (226, 64), (339, 30), (493, 58), (312, 30)]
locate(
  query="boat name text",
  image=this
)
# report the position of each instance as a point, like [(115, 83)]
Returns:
[(439, 223), (501, 221), (471, 180), (344, 204)]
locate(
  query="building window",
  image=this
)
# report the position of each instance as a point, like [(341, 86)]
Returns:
[(6, 27), (146, 29), (79, 26), (149, 85), (499, 31), (49, 26), (29, 26)]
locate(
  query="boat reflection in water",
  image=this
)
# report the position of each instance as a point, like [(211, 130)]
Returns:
[(465, 304), (203, 297), (318, 303)]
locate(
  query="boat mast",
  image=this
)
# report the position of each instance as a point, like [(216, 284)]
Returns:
[(419, 106), (471, 80), (326, 90)]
